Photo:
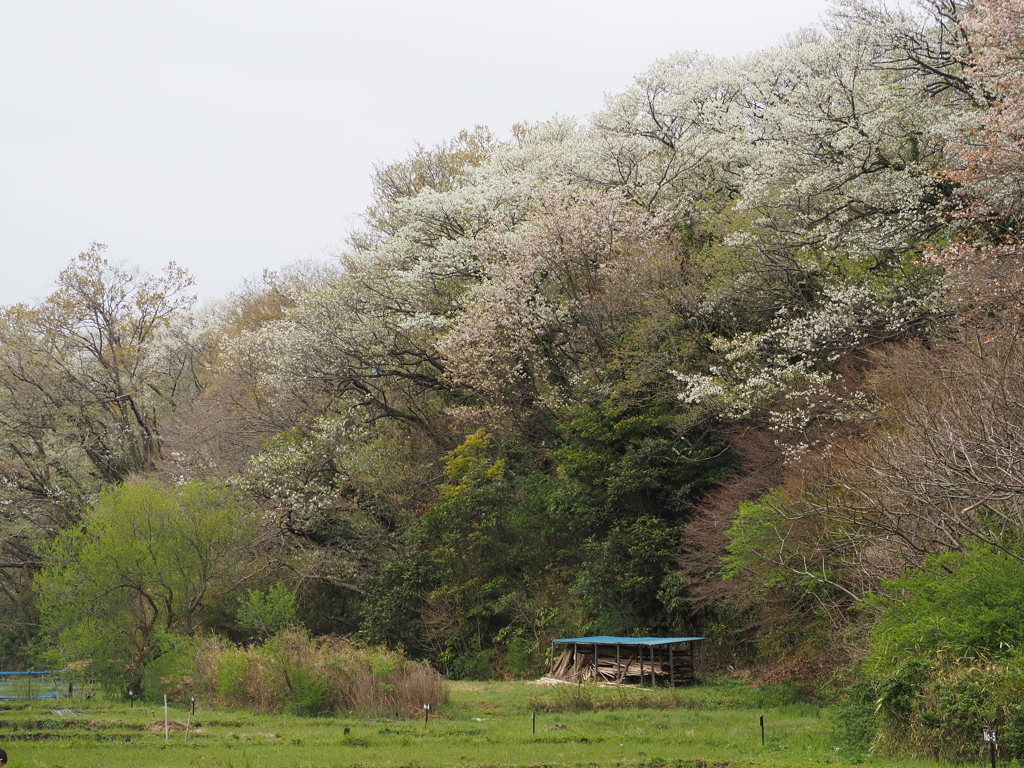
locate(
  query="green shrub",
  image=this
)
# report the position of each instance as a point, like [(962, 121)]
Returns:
[(855, 727), (308, 695), (961, 602), (943, 656), (471, 665), (267, 613), (231, 665), (523, 658), (166, 672), (940, 708)]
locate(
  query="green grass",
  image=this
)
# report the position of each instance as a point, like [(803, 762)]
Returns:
[(485, 724)]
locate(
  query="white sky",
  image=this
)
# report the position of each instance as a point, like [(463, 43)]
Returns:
[(237, 135)]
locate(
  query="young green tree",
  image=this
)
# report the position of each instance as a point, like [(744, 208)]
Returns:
[(267, 613), (86, 377), (118, 588)]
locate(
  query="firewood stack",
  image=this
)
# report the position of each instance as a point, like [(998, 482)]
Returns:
[(626, 665)]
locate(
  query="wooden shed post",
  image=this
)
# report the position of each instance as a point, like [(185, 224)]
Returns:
[(671, 667), (654, 682), (618, 661), (575, 659), (595, 662), (640, 653)]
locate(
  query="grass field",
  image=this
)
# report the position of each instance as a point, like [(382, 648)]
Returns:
[(484, 724)]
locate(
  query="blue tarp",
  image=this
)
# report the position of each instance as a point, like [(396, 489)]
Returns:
[(608, 640)]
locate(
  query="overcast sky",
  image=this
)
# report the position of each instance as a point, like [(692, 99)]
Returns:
[(236, 135)]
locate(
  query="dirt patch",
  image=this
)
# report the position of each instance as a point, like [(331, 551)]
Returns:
[(799, 670), (173, 725)]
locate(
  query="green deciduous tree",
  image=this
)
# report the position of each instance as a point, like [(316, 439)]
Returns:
[(140, 570), (86, 378)]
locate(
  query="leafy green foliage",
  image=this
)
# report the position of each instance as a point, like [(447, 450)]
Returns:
[(625, 480), (856, 727), (945, 654), (389, 612), (485, 550), (267, 613), (622, 574), (118, 589), (618, 460), (939, 706), (755, 533), (964, 603)]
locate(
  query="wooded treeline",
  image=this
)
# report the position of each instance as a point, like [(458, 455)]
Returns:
[(740, 356)]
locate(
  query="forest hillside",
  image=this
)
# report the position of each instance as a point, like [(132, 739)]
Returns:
[(738, 357)]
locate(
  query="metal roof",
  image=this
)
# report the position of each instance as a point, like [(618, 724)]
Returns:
[(608, 640)]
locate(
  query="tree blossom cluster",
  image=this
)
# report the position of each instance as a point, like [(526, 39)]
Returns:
[(728, 245)]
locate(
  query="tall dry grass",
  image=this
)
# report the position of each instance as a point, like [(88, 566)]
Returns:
[(297, 674)]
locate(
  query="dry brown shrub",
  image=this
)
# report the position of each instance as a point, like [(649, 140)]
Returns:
[(759, 467)]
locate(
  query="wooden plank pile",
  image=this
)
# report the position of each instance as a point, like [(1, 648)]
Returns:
[(626, 664)]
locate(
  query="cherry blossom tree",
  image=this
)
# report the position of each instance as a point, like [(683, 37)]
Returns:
[(984, 260)]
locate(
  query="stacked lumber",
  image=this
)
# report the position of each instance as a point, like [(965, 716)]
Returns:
[(624, 664)]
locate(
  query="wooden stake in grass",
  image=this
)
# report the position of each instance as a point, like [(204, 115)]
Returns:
[(426, 713), (534, 723), (762, 730), (188, 723), (167, 729)]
